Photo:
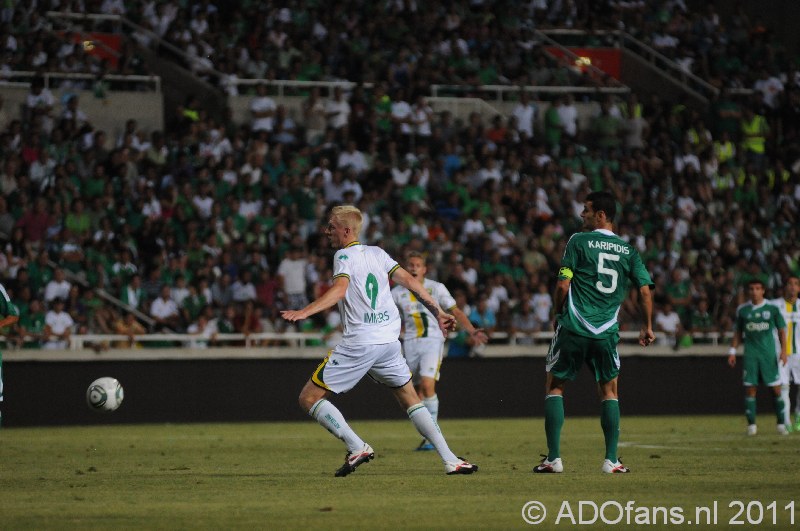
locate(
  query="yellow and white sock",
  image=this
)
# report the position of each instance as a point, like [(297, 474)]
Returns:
[(432, 404)]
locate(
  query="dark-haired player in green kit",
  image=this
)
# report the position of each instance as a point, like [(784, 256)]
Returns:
[(756, 322), (8, 316), (596, 271)]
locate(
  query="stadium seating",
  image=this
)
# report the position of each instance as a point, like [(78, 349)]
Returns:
[(197, 205)]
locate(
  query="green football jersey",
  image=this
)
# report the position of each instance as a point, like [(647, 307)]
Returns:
[(7, 308), (601, 267), (757, 324)]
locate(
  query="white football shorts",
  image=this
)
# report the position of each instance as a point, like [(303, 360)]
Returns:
[(424, 356), (790, 373), (346, 365)]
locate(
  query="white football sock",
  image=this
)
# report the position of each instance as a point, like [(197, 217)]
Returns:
[(332, 420), (425, 425), (432, 403), (786, 401)]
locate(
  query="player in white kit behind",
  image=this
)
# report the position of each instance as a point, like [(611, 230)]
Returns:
[(423, 341)]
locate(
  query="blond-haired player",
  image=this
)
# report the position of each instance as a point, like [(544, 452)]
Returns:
[(370, 343), (423, 341)]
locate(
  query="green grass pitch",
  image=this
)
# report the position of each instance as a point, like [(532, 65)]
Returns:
[(280, 475)]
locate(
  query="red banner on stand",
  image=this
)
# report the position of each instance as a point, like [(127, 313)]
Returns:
[(606, 59), (103, 45)]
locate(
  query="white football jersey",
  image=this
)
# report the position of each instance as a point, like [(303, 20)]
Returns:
[(369, 315), (418, 321), (791, 314)]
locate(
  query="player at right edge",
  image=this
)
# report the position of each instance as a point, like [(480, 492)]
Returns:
[(423, 343), (9, 314), (789, 306)]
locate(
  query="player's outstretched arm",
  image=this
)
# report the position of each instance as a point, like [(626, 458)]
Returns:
[(328, 299), (646, 334), (447, 322), (8, 320), (478, 336)]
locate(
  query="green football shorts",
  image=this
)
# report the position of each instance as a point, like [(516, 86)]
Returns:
[(760, 366), (568, 352)]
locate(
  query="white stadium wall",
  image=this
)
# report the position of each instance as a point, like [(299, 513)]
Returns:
[(108, 114)]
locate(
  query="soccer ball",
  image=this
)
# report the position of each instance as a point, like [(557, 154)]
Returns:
[(104, 394)]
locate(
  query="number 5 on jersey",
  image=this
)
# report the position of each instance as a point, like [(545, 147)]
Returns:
[(601, 268)]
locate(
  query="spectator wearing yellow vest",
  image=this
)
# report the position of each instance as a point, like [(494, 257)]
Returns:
[(725, 149), (699, 136), (777, 174), (755, 131), (722, 182), (631, 108)]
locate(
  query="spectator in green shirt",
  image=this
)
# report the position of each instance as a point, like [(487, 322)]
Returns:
[(607, 129), (553, 127), (31, 325), (701, 321)]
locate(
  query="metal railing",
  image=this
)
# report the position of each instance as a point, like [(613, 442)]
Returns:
[(626, 337), (301, 339), (291, 339), (688, 80), (6, 78), (488, 94), (289, 87), (500, 92), (83, 17), (169, 340), (462, 106)]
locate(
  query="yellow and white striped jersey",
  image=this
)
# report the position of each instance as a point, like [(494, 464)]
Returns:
[(417, 320), (791, 314)]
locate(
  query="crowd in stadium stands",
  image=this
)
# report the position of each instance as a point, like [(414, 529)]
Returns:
[(466, 43), (216, 226)]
